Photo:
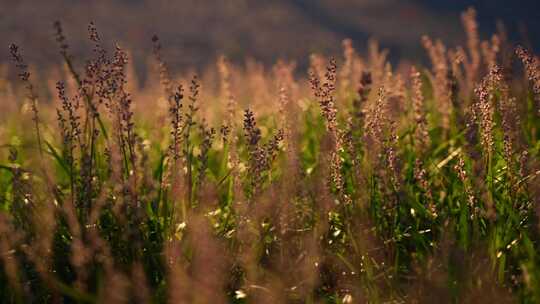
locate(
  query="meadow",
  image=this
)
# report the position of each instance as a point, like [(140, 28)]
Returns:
[(352, 182)]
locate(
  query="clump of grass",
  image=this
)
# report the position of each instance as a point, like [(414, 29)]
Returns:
[(355, 184)]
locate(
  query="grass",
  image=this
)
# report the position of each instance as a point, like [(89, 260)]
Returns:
[(355, 184)]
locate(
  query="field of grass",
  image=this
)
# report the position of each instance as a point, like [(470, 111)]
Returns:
[(357, 182)]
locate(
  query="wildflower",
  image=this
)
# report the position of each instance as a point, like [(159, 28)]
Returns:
[(175, 116), (421, 136), (484, 107), (260, 157), (325, 94), (392, 157), (377, 61), (257, 157), (532, 68), (464, 178), (164, 74), (316, 65), (226, 92), (472, 61), (207, 139), (441, 83), (490, 50), (60, 38), (347, 70), (376, 119), (420, 175)]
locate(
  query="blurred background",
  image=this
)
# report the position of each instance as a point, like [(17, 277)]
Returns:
[(195, 32)]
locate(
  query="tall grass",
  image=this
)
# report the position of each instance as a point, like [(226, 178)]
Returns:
[(356, 184)]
